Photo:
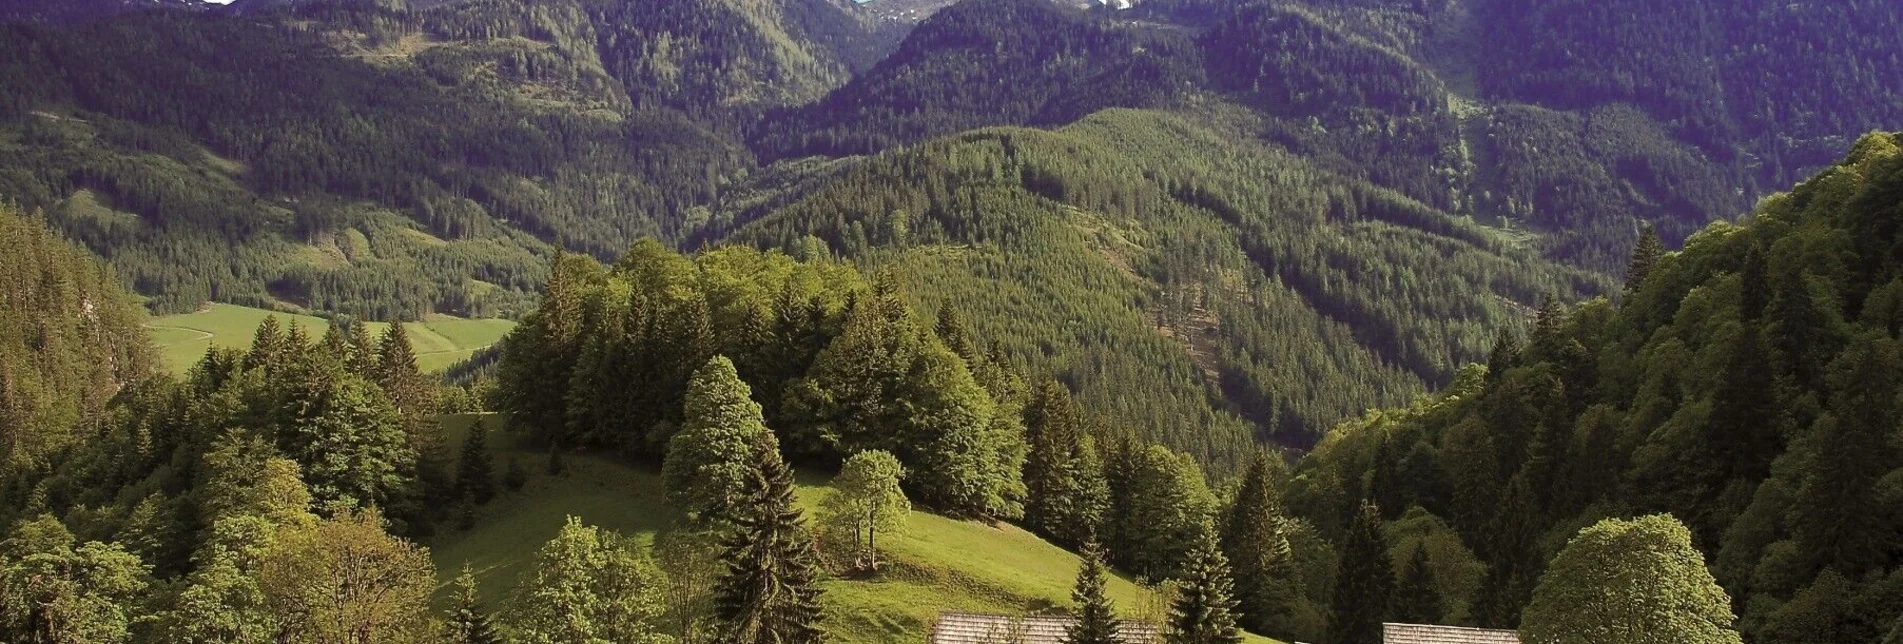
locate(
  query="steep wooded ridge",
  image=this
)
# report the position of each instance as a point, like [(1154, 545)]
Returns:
[(69, 341), (394, 159), (1747, 385)]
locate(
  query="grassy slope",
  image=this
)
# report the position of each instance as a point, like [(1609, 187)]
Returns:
[(938, 564), (439, 342)]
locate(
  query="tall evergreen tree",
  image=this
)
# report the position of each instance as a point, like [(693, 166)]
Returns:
[(1837, 518), (1364, 584), (770, 592), (1256, 543), (1204, 610), (475, 471), (1096, 618), (1418, 600), (1064, 499), (1645, 256), (396, 372), (468, 623), (267, 344)]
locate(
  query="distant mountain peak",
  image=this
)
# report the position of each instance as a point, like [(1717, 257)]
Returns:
[(66, 11)]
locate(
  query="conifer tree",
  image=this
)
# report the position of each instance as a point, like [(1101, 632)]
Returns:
[(1053, 489), (1204, 610), (1645, 256), (475, 471), (1837, 516), (514, 477), (267, 344), (362, 360), (396, 372), (770, 592), (1417, 600), (1096, 617), (1255, 541), (1364, 583), (468, 623)]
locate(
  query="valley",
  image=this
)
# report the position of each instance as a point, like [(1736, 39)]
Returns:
[(1251, 320)]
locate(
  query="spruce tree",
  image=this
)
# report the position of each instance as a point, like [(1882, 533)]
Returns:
[(1204, 610), (396, 372), (1645, 256), (1052, 424), (468, 623), (769, 593), (1096, 618), (1364, 583), (1256, 543), (1417, 600), (514, 477), (475, 473), (267, 344)]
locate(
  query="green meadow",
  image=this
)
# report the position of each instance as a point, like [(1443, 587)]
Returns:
[(440, 341)]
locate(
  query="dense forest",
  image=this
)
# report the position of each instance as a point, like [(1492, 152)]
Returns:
[(431, 157), (1129, 280), (1718, 442)]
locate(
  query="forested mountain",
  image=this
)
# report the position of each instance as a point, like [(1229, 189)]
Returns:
[(1165, 270), (382, 162), (429, 156)]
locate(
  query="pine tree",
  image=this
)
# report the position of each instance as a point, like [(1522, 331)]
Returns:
[(1204, 610), (396, 372), (267, 344), (514, 477), (475, 471), (1096, 618), (1255, 541), (1645, 257), (1417, 600), (468, 624), (1053, 428), (363, 350), (1364, 583), (769, 594)]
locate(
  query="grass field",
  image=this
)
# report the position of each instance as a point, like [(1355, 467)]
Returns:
[(440, 342), (938, 564)]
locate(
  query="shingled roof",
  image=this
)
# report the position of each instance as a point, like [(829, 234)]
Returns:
[(974, 628), (1425, 634)]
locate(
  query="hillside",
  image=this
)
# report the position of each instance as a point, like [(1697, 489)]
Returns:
[(938, 564), (415, 162), (70, 340), (1228, 276), (1746, 385)]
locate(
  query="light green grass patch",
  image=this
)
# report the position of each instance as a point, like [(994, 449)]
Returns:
[(439, 342)]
